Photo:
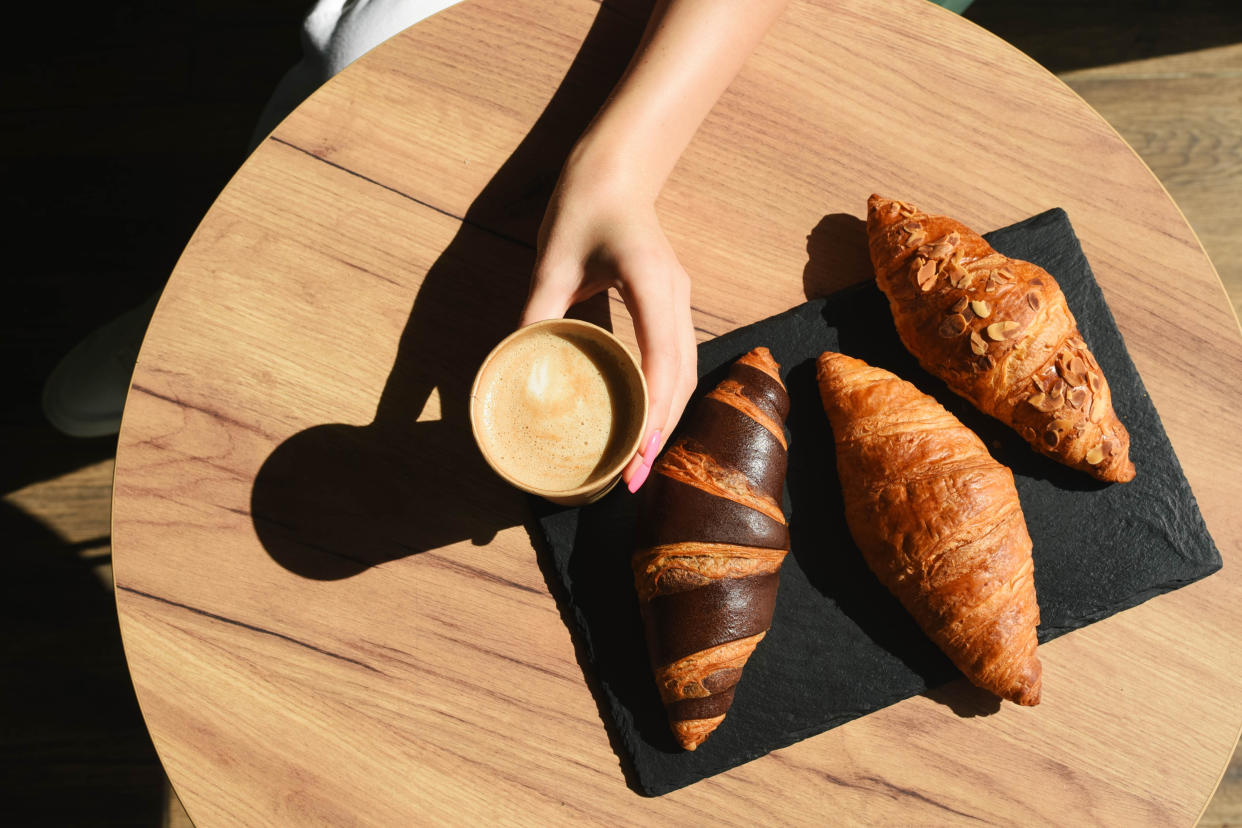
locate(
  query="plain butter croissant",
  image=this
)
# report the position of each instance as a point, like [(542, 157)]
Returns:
[(707, 565), (999, 332), (939, 523)]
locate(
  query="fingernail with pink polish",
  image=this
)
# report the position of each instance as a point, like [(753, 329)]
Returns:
[(652, 445), (639, 477)]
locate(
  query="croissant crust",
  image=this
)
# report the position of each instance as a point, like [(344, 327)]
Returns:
[(707, 564), (938, 522), (999, 332)]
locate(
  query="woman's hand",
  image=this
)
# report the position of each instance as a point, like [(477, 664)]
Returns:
[(598, 233), (600, 230)]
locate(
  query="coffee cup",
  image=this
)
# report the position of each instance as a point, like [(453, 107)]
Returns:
[(558, 408)]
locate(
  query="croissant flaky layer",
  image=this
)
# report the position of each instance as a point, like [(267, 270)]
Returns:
[(708, 560), (999, 332), (939, 523)]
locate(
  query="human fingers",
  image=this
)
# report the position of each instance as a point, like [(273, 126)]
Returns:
[(552, 290), (683, 389), (660, 308)]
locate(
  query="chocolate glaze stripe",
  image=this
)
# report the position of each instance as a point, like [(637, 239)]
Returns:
[(677, 566), (733, 394), (685, 514), (761, 359), (688, 622), (735, 441), (707, 707), (764, 391), (689, 465)]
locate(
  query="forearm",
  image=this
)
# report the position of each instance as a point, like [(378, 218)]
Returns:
[(689, 54)]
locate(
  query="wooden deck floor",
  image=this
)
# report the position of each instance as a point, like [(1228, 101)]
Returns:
[(121, 122)]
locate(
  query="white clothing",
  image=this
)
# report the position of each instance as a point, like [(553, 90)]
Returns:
[(335, 33)]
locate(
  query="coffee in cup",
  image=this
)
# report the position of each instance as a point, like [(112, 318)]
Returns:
[(558, 409)]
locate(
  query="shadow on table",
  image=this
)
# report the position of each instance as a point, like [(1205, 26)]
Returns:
[(336, 499)]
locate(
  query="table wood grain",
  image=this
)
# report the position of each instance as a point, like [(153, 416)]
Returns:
[(334, 613)]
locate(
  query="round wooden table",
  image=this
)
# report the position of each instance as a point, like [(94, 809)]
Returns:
[(332, 610)]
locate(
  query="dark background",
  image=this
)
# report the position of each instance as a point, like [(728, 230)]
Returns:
[(119, 124)]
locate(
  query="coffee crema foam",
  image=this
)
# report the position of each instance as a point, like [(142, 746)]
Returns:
[(553, 410)]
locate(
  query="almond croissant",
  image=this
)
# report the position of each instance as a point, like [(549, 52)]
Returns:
[(714, 537), (999, 332), (939, 523)]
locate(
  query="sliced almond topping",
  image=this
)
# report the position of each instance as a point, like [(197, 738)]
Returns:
[(1077, 397), (1110, 445), (1057, 389), (977, 344), (952, 326), (1042, 402), (981, 308), (1001, 331), (959, 305), (1097, 409), (1032, 299), (926, 276), (1074, 371), (983, 363), (1040, 382), (1030, 434), (1093, 380), (1055, 431), (1096, 456)]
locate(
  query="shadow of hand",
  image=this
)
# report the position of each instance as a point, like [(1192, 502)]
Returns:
[(335, 499)]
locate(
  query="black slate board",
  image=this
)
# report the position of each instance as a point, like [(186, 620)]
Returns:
[(840, 647)]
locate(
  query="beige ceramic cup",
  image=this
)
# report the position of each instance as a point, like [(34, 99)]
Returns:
[(558, 408)]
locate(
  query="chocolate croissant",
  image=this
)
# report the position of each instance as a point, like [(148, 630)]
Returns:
[(999, 332), (938, 522), (707, 564)]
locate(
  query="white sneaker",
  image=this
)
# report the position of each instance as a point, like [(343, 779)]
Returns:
[(85, 393)]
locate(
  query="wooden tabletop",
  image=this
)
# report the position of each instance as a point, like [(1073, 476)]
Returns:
[(333, 611)]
